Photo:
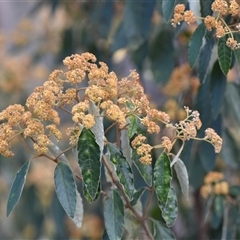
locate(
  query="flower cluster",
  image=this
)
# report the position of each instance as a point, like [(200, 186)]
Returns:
[(187, 128), (104, 96), (143, 149), (221, 9), (214, 184)]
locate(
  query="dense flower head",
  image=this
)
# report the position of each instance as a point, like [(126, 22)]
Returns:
[(143, 149), (214, 184), (187, 128), (214, 139), (221, 9)]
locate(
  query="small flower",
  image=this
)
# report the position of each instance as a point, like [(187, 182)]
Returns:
[(189, 17), (167, 143), (210, 22), (214, 138)]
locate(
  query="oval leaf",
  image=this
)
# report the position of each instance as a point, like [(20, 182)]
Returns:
[(204, 58), (168, 8), (89, 156), (195, 44), (162, 178), (114, 215), (218, 87), (65, 188), (123, 169), (182, 176), (144, 170), (97, 129), (224, 55), (17, 187), (169, 213), (78, 215), (137, 195), (217, 214), (162, 232)]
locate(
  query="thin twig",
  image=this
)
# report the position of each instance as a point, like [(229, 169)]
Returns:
[(127, 201)]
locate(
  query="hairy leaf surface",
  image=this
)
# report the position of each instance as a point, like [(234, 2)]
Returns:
[(65, 188), (162, 178), (89, 155), (114, 215), (123, 169), (17, 187), (195, 44)]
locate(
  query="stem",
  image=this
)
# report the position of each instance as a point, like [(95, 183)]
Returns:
[(109, 128), (225, 222), (148, 202), (127, 201)]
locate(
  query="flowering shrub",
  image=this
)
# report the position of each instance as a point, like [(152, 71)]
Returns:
[(122, 102), (115, 129)]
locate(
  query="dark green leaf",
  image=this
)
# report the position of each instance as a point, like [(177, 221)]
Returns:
[(168, 8), (217, 214), (204, 58), (89, 162), (65, 188), (206, 7), (202, 105), (234, 191), (123, 169), (237, 52), (162, 232), (169, 213), (218, 87), (105, 236), (182, 176), (233, 99), (17, 187), (137, 195), (137, 20), (144, 170), (162, 55), (224, 55), (114, 215), (162, 178), (135, 126), (207, 155), (195, 44), (98, 128)]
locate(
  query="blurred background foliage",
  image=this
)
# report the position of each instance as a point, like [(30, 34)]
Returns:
[(34, 39)]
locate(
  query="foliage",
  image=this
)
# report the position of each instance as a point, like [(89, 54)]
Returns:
[(116, 130)]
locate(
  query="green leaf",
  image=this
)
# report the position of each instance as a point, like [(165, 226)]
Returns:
[(97, 129), (162, 232), (195, 44), (205, 57), (114, 215), (169, 213), (224, 55), (123, 169), (162, 178), (125, 145), (234, 191), (217, 213), (89, 156), (206, 7), (168, 8), (182, 176), (65, 188), (218, 87), (237, 51), (161, 54), (135, 127), (17, 187), (78, 215), (144, 170), (233, 99), (139, 16), (137, 195)]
